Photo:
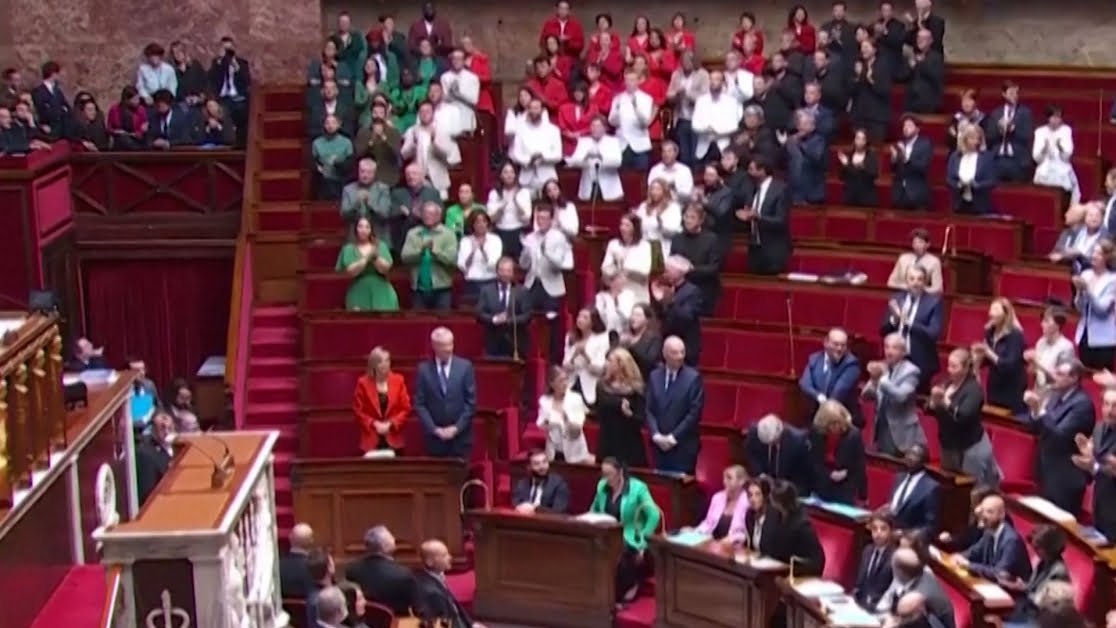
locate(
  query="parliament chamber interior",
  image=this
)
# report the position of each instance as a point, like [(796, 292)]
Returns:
[(797, 318)]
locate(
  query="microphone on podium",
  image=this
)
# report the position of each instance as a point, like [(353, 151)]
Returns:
[(223, 468), (465, 489)]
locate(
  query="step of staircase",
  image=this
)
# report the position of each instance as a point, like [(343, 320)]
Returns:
[(272, 390), (271, 415), (77, 602), (272, 367)]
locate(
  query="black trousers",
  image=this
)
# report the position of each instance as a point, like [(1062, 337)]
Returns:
[(631, 571)]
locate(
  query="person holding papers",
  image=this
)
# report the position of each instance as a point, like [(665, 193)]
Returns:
[(728, 510), (716, 118), (598, 156), (873, 573), (541, 490), (1000, 553), (628, 500)]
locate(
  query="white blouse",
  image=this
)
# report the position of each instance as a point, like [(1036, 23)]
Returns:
[(636, 258), (596, 353), (566, 219), (483, 265), (509, 209), (661, 227), (966, 168), (615, 310), (557, 418), (513, 120)]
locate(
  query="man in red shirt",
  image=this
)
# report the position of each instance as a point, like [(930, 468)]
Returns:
[(547, 87), (566, 28)]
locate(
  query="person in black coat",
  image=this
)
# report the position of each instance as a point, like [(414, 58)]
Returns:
[(768, 217), (703, 250), (169, 126), (795, 535), (925, 19), (910, 166), (230, 79), (718, 201), (51, 107), (777, 450), (775, 106), (1009, 130), (873, 573), (833, 79), (504, 312), (837, 456), (915, 497), (643, 339), (787, 82), (433, 599), (295, 581), (957, 404), (1001, 353), (1097, 458), (1066, 412), (859, 170), (678, 303), (622, 410), (871, 96), (807, 160), (926, 76), (756, 139), (154, 454), (381, 579), (890, 34), (540, 490)]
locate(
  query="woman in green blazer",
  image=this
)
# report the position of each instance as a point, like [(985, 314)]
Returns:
[(629, 501)]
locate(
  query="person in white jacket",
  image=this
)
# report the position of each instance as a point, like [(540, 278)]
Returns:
[(586, 352), (509, 207), (614, 304), (462, 92), (1053, 151), (678, 176), (717, 117), (536, 149), (562, 416), (547, 255), (599, 157), (661, 216), (740, 82), (631, 114), (478, 253), (629, 255), (564, 211), (432, 148)]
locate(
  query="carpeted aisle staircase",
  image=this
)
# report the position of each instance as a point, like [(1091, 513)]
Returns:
[(78, 602)]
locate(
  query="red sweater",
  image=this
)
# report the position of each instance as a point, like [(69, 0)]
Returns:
[(573, 42)]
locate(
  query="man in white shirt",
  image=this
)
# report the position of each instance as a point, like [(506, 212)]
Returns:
[(547, 254), (462, 92), (678, 176), (739, 82), (155, 74), (432, 149), (536, 149), (599, 157), (631, 115), (716, 118)]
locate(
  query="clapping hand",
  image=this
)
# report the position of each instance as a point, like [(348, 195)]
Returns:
[(937, 396), (382, 427), (626, 407), (1029, 355), (500, 318), (843, 158), (1032, 400), (875, 369), (895, 309), (839, 475)]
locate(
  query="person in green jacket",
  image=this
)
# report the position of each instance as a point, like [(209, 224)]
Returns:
[(629, 501), (352, 47), (367, 261), (428, 66), (458, 213), (368, 198), (332, 153), (329, 67), (431, 251), (406, 99)]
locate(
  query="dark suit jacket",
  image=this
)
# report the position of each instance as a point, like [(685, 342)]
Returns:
[(682, 317), (294, 577), (983, 183), (704, 252), (772, 228), (937, 27), (807, 163), (219, 71), (824, 122), (456, 406), (1007, 378), (677, 412), (1104, 487), (1020, 133), (315, 118), (838, 382), (926, 84), (434, 601), (960, 423), (52, 109), (834, 81), (871, 100), (384, 581), (1063, 419), (789, 459), (182, 129), (795, 536), (152, 462), (924, 331), (912, 187), (441, 36), (1009, 555), (871, 586), (848, 457), (555, 493), (919, 512), (891, 43), (498, 340)]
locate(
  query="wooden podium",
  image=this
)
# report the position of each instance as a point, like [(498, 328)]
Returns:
[(416, 498), (704, 586), (201, 555), (530, 567)]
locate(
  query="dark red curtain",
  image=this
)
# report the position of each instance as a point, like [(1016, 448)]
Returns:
[(172, 313)]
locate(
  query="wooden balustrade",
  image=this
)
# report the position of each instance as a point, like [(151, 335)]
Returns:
[(32, 413)]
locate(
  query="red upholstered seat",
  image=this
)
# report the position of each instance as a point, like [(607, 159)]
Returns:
[(463, 586), (756, 351), (378, 616), (1087, 507), (877, 266), (716, 456), (930, 427), (962, 608), (1034, 283), (351, 335), (841, 552), (880, 481), (966, 322), (326, 290), (1000, 238), (1079, 559), (639, 614), (1015, 450), (740, 401)]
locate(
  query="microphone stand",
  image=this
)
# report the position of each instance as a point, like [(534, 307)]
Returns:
[(514, 324), (595, 192), (790, 333)]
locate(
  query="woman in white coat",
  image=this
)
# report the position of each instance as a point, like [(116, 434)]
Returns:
[(629, 255), (1052, 152), (562, 416), (598, 156), (586, 352)]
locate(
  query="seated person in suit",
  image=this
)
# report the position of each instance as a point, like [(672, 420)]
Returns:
[(171, 127), (154, 453), (916, 497), (1000, 553), (794, 535), (916, 315), (757, 523), (87, 357), (974, 529), (628, 500), (1049, 542), (294, 577), (382, 405), (873, 574), (433, 598), (911, 612), (837, 456), (911, 575), (381, 579), (778, 450), (320, 567), (833, 373), (332, 608), (728, 510), (541, 490)]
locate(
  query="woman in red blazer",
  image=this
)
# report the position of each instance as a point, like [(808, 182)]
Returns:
[(574, 118), (798, 21), (381, 405)]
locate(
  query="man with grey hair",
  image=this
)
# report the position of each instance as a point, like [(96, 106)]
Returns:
[(368, 198), (678, 304), (893, 385), (912, 578), (332, 609), (382, 580), (430, 250), (675, 399), (778, 450), (807, 159), (445, 399)]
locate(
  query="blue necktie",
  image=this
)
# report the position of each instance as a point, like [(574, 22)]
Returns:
[(443, 379)]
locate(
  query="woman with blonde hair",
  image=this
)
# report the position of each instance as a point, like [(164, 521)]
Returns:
[(562, 416), (1096, 301), (381, 405), (956, 403), (726, 518), (1002, 353), (837, 455), (661, 219), (971, 173), (621, 408)]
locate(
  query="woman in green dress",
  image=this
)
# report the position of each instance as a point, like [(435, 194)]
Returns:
[(628, 500), (367, 260)]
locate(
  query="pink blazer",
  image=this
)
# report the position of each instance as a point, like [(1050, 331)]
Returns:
[(738, 529)]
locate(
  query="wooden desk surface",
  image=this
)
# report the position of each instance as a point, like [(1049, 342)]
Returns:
[(183, 502)]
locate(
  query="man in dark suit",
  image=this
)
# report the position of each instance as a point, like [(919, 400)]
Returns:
[(769, 217), (541, 490), (504, 311), (87, 357), (1009, 130), (825, 123), (433, 599), (13, 87), (171, 126), (328, 102), (831, 73), (833, 373), (807, 160), (925, 18), (1059, 420), (51, 107), (910, 159), (778, 450), (383, 580), (915, 498), (678, 304), (1097, 457), (675, 398), (926, 78), (702, 247), (294, 575), (916, 315), (320, 566), (230, 79), (873, 573), (910, 576), (1000, 551), (445, 399), (154, 454)]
